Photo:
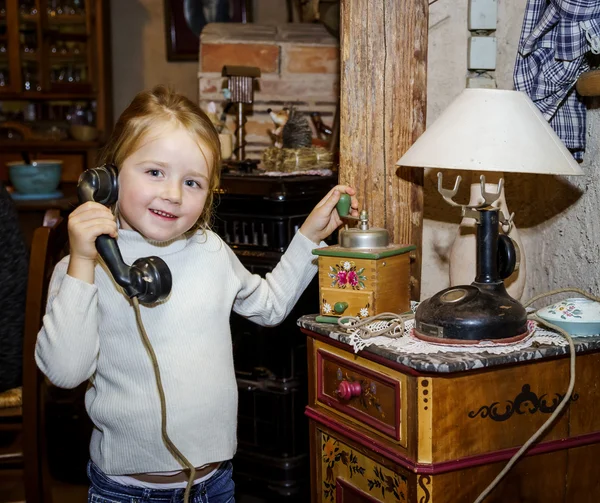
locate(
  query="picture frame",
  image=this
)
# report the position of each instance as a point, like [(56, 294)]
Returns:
[(184, 20)]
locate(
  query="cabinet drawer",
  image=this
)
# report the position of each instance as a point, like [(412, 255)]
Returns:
[(361, 393), (348, 473), (355, 303)]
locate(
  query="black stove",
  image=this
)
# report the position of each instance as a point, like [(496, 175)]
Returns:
[(257, 216)]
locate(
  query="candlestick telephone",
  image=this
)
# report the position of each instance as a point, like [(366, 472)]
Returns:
[(149, 278)]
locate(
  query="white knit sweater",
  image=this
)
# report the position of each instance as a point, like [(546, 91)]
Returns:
[(90, 332)]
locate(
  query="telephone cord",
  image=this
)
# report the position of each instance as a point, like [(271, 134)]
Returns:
[(175, 452), (361, 324), (484, 494)]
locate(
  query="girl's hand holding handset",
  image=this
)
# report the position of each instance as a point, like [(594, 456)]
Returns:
[(86, 223), (324, 218)]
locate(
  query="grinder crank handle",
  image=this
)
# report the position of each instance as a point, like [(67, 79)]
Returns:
[(343, 207)]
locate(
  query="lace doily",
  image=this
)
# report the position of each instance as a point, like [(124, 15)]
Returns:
[(407, 343)]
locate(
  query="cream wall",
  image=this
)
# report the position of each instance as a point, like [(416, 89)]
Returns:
[(140, 53), (558, 220)]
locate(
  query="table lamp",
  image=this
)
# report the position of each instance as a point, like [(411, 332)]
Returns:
[(485, 130)]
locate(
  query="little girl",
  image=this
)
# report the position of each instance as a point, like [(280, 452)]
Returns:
[(167, 153)]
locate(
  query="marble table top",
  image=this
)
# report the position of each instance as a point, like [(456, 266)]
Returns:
[(452, 361)]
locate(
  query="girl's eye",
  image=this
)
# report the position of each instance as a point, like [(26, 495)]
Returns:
[(192, 183), (154, 172)]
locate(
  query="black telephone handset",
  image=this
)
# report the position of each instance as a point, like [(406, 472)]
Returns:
[(148, 279)]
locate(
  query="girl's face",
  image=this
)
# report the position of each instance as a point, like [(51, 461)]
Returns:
[(164, 184)]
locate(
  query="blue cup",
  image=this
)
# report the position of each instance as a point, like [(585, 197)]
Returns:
[(39, 177)]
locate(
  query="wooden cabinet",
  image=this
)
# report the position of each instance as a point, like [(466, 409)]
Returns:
[(381, 431), (54, 73)]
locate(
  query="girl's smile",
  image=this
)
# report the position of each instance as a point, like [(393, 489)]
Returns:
[(164, 184), (163, 214)]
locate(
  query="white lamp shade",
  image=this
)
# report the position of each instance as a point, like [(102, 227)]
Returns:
[(492, 130)]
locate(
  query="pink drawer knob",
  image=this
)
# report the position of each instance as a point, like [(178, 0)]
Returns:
[(346, 390)]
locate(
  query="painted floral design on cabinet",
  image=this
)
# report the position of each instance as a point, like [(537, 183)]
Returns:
[(340, 460)]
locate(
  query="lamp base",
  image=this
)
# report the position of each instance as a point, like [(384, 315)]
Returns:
[(471, 313)]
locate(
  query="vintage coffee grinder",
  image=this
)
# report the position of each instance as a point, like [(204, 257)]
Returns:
[(484, 309), (364, 274)]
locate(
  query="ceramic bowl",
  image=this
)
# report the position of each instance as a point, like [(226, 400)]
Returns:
[(82, 132), (578, 315), (39, 177)]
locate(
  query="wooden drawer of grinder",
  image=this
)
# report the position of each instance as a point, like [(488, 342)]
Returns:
[(360, 392), (357, 303)]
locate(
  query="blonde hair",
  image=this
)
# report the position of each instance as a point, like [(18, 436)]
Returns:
[(159, 106)]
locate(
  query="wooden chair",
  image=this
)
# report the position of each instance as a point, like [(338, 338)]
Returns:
[(48, 247)]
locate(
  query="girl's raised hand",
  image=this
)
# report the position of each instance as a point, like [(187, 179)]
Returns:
[(324, 218), (86, 223)]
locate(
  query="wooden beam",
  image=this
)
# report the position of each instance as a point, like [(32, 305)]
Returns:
[(383, 107)]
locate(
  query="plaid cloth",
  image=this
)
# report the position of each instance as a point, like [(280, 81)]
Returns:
[(555, 37)]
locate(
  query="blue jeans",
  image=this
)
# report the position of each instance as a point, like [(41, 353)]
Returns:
[(217, 489)]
